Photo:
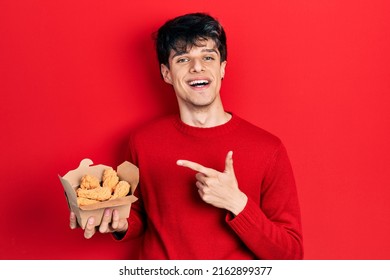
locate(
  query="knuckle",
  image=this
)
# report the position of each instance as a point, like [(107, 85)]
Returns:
[(121, 225), (106, 219), (209, 181), (206, 198), (206, 191)]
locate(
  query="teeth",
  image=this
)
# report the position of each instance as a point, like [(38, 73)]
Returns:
[(198, 82)]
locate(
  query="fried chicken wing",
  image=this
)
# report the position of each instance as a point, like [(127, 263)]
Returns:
[(110, 179), (89, 182), (121, 190), (92, 190), (100, 193)]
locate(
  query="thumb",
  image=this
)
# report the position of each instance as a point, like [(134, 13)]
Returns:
[(229, 162)]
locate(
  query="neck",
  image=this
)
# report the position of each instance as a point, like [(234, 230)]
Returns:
[(205, 118)]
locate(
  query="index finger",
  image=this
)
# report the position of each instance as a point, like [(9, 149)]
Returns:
[(196, 167)]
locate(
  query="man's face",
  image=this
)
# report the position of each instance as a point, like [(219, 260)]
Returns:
[(196, 75)]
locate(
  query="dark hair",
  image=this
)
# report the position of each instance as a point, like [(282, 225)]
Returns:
[(185, 31)]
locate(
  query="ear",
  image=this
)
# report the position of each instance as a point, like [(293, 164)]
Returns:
[(223, 66), (166, 74)]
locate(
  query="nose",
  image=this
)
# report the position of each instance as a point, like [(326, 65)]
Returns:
[(197, 66)]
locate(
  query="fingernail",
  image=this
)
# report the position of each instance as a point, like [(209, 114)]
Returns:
[(179, 162)]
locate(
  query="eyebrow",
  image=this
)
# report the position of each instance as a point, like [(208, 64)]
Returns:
[(203, 51)]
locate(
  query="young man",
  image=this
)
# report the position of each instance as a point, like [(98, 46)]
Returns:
[(193, 202)]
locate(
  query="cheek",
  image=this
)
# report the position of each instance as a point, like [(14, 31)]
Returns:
[(178, 77)]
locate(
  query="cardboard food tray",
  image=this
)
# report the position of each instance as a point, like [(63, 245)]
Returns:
[(71, 181)]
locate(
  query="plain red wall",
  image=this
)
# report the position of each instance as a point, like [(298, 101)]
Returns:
[(76, 77)]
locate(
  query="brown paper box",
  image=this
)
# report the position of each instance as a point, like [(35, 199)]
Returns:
[(71, 181)]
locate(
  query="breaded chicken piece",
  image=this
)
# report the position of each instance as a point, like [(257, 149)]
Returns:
[(110, 179), (89, 182), (100, 193), (121, 190), (82, 201)]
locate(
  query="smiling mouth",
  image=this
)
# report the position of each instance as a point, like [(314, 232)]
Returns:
[(199, 83)]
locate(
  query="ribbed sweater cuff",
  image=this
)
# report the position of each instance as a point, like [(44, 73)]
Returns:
[(129, 234), (247, 219)]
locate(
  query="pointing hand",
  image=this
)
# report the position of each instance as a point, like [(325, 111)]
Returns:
[(219, 189)]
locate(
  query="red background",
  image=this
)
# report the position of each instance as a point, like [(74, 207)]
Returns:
[(76, 77)]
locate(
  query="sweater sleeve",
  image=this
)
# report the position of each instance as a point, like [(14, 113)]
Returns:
[(272, 230), (136, 219)]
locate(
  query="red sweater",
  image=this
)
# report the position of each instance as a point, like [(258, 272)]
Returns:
[(177, 224)]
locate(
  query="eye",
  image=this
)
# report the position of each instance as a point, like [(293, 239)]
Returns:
[(182, 60), (208, 58)]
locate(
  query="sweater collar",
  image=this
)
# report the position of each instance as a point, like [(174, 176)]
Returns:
[(214, 131)]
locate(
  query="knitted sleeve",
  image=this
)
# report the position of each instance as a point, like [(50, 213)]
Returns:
[(136, 219), (272, 230)]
